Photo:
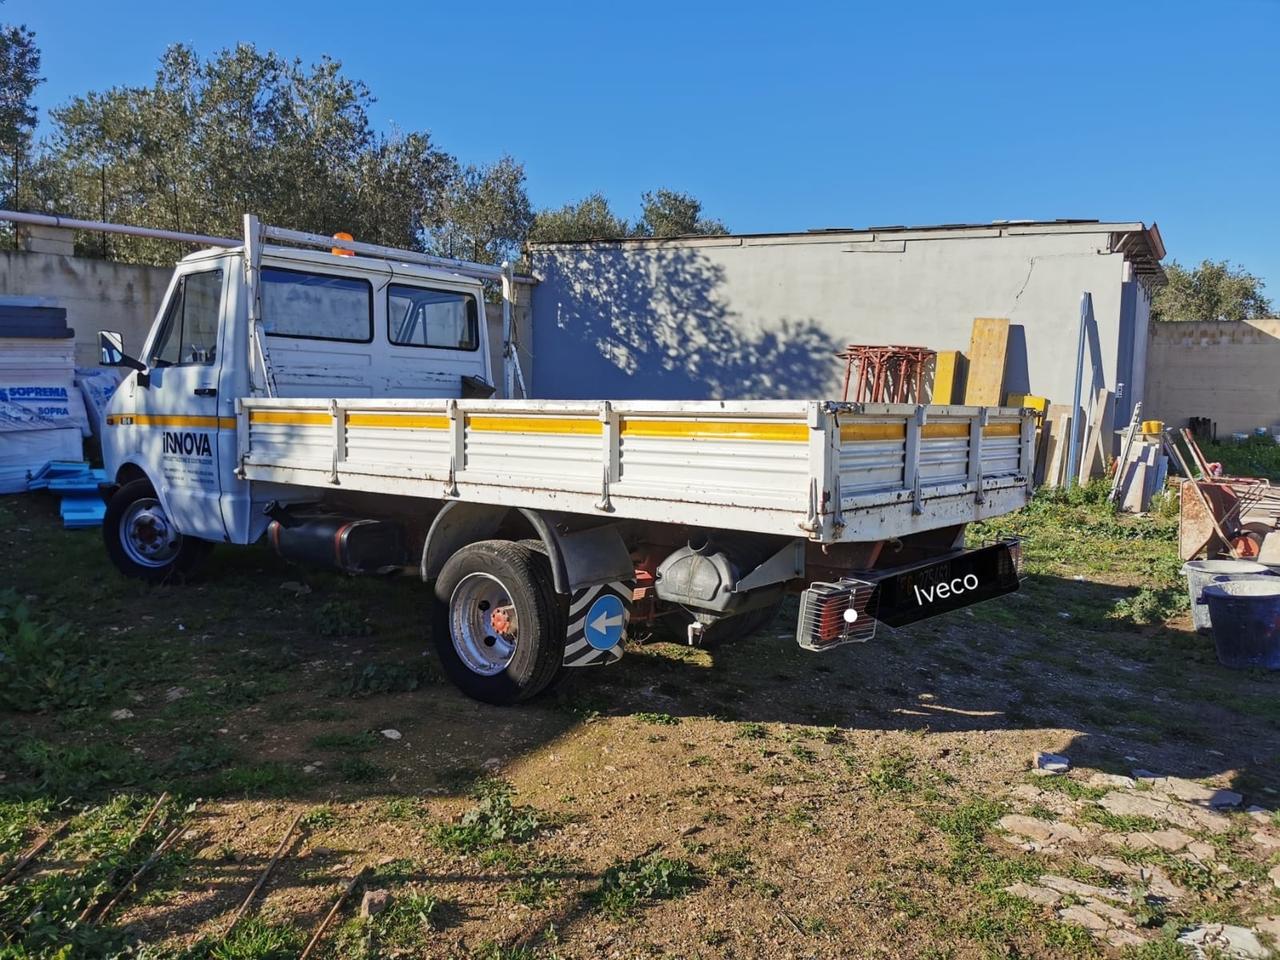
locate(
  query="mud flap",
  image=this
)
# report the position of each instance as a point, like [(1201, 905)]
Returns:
[(598, 618)]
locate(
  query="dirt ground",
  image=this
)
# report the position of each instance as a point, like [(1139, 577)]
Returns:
[(751, 800)]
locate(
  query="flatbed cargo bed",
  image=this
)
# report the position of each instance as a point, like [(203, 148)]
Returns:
[(832, 472)]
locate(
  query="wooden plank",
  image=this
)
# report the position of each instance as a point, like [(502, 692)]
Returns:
[(1093, 461), (987, 348), (1057, 455), (949, 372), (1046, 433)]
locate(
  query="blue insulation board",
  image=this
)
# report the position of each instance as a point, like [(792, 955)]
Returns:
[(77, 484)]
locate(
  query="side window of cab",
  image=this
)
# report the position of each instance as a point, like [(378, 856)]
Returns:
[(189, 333)]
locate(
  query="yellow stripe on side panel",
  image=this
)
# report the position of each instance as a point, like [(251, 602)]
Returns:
[(398, 420), (873, 431), (170, 420), (291, 418), (1002, 430), (936, 431), (716, 430), (590, 428)]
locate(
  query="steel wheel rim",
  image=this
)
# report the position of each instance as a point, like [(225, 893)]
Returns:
[(483, 624), (147, 535)]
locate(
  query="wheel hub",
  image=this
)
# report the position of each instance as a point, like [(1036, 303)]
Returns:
[(147, 535), (483, 624)]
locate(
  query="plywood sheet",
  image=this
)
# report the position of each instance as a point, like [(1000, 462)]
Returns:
[(987, 348), (1058, 427), (949, 377)]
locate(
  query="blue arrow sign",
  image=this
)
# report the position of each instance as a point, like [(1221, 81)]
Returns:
[(606, 620)]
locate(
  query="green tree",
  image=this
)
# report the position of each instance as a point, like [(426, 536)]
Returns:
[(667, 213), (1215, 290), (19, 77), (591, 218), (244, 131), (486, 213)]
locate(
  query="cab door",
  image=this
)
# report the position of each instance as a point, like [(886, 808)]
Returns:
[(177, 412)]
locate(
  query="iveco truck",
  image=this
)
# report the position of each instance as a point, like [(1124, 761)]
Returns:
[(339, 403)]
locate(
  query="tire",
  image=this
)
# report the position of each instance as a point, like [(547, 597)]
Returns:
[(142, 542), (482, 660)]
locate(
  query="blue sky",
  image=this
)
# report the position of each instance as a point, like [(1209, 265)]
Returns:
[(791, 116)]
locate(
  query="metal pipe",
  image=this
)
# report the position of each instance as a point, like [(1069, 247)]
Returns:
[(69, 223), (480, 270), (483, 271), (1073, 448)]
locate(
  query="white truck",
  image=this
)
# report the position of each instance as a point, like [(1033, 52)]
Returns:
[(338, 403)]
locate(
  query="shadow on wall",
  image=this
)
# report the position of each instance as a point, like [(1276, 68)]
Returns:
[(652, 324)]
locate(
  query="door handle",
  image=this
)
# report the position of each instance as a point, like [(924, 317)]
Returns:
[(206, 391)]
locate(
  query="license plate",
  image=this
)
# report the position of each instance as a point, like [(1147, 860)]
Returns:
[(936, 588)]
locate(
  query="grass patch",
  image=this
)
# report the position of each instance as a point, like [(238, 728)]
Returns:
[(45, 665), (379, 677), (627, 886), (494, 820), (658, 719), (890, 775), (253, 939)]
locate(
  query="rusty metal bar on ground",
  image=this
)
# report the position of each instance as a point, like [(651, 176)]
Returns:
[(170, 839), (37, 848), (333, 912), (284, 841), (87, 912)]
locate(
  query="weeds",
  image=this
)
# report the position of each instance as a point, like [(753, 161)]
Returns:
[(627, 886), (889, 775), (374, 678), (658, 719), (494, 820), (44, 665)]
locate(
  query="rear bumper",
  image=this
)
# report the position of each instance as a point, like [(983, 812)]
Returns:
[(848, 611)]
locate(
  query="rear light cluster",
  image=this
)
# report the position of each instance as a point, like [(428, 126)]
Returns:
[(1014, 555), (832, 614)]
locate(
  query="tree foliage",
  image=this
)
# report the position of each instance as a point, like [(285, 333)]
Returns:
[(666, 213), (1215, 290), (19, 77), (243, 131), (591, 218), (663, 214), (486, 213)]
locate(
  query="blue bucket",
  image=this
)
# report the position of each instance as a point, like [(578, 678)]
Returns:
[(1201, 573), (1246, 622)]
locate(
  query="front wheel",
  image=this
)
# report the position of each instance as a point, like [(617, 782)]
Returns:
[(497, 623), (142, 541)]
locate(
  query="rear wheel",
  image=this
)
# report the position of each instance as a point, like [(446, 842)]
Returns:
[(497, 624), (142, 541)]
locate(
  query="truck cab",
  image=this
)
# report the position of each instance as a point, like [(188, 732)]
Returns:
[(334, 326)]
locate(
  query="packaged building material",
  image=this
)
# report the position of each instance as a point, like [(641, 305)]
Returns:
[(42, 412)]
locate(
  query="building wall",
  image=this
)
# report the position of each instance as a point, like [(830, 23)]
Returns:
[(1226, 371), (97, 295), (762, 317)]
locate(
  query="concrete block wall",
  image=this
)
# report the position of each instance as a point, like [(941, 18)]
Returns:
[(1226, 371), (97, 294)]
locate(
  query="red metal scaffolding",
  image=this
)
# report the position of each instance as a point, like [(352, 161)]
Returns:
[(886, 374)]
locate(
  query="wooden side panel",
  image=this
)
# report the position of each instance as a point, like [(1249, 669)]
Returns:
[(987, 348)]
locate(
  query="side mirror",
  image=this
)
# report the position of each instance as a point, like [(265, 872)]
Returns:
[(111, 348)]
